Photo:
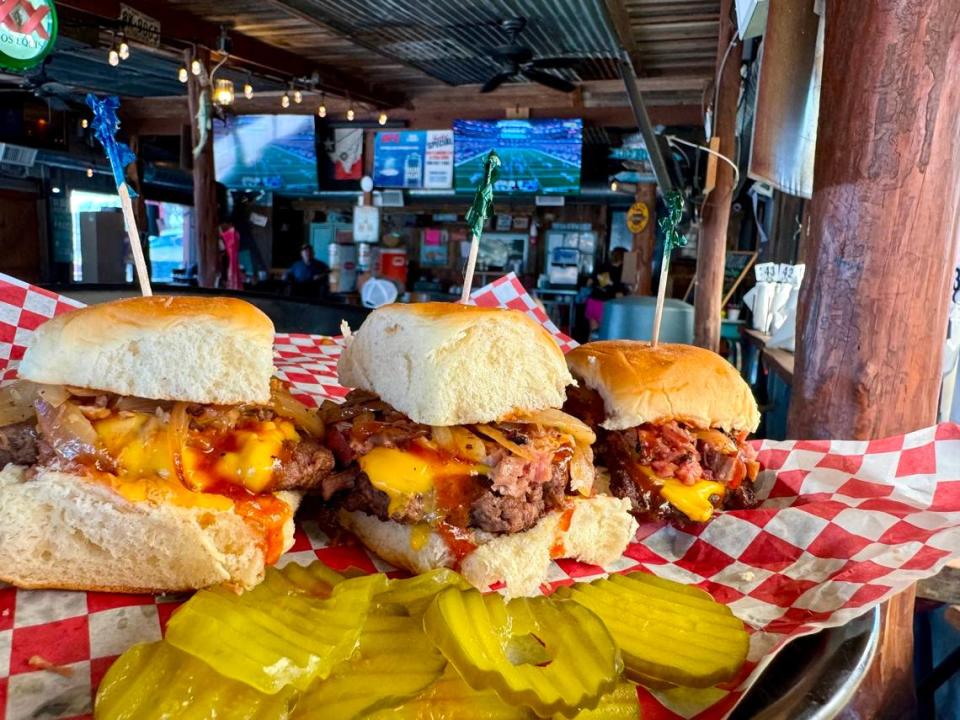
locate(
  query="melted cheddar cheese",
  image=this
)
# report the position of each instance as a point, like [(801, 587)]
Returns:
[(403, 475), (692, 500)]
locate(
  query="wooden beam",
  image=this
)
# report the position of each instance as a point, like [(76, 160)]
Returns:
[(204, 187), (883, 225), (256, 54), (712, 247)]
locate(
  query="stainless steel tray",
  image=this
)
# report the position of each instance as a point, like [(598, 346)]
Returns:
[(815, 676)]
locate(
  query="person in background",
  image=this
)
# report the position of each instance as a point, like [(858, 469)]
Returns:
[(606, 284), (308, 276)]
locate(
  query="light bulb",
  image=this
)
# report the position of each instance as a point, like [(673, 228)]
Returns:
[(113, 57), (350, 114), (55, 190), (89, 172), (84, 123), (196, 67), (182, 74), (297, 96), (285, 101), (382, 118), (223, 92), (614, 186), (322, 110), (248, 91), (124, 50)]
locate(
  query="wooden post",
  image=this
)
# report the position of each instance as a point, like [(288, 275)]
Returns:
[(644, 241), (712, 247), (883, 225), (204, 182)]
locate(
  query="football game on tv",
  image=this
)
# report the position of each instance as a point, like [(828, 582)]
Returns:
[(266, 152), (538, 156)]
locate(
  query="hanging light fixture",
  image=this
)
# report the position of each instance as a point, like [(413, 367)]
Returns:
[(248, 88), (297, 96), (382, 118), (223, 94), (123, 50), (196, 67), (322, 108), (285, 100)]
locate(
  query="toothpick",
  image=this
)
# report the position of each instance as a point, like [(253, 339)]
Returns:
[(661, 297), (476, 217), (130, 220)]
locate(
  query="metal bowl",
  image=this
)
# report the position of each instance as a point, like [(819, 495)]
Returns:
[(815, 676)]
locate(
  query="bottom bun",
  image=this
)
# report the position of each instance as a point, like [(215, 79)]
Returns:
[(598, 532), (59, 530)]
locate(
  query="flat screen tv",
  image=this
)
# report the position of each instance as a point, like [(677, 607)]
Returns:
[(266, 152), (538, 156)]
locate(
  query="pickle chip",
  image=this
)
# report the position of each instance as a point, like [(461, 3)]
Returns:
[(551, 656), (450, 698), (395, 660), (277, 634), (156, 681), (415, 593), (315, 578), (669, 633)]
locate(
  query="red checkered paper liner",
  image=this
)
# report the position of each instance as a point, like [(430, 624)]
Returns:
[(845, 525)]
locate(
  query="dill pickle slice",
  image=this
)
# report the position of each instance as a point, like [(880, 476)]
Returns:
[(276, 634), (669, 633), (450, 698), (485, 639), (315, 578), (395, 660), (415, 593), (155, 681)]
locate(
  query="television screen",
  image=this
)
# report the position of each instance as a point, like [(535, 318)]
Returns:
[(537, 156), (266, 152)]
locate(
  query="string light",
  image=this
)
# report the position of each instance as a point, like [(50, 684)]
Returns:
[(351, 114), (382, 118), (124, 49), (297, 96), (89, 172), (84, 123), (614, 186), (322, 109), (196, 67), (182, 74), (285, 101), (113, 57), (248, 89)]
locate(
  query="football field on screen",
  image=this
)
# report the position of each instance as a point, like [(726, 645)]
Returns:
[(522, 170)]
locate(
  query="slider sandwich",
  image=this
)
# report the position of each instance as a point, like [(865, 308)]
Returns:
[(146, 448), (452, 451), (672, 424)]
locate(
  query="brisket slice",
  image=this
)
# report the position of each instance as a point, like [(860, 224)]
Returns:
[(18, 444)]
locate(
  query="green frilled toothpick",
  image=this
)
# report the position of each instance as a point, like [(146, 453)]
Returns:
[(477, 215), (672, 237)]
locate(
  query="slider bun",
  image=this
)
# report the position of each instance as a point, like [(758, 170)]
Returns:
[(63, 531), (197, 349), (450, 364), (600, 529), (643, 384)]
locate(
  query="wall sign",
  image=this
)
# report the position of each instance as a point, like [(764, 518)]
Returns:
[(137, 26), (637, 217), (28, 30)]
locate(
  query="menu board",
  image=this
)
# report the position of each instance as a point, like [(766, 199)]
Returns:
[(413, 159)]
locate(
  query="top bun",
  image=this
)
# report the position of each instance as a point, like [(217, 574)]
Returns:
[(196, 349), (643, 384), (448, 364)]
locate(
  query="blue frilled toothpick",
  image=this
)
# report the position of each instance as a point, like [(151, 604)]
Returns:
[(105, 125)]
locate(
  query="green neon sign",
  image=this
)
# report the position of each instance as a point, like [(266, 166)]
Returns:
[(28, 31)]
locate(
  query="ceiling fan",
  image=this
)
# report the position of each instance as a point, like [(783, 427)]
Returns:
[(518, 60)]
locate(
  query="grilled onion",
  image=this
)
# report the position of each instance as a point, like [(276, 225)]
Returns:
[(498, 437), (71, 434), (581, 469), (459, 442), (287, 406), (558, 420)]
